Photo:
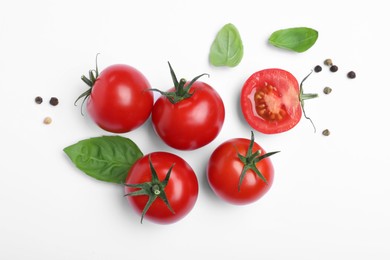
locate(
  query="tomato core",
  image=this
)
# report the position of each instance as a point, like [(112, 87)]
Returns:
[(268, 104)]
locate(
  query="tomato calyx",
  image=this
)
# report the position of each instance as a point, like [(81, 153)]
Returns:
[(93, 76), (250, 159), (305, 96), (182, 89), (153, 189)]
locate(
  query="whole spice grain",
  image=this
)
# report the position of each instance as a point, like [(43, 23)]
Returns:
[(351, 75), (47, 120), (328, 62), (38, 100), (327, 90), (326, 132), (334, 68), (53, 101), (317, 68)]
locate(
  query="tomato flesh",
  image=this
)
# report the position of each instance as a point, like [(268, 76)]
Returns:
[(270, 101)]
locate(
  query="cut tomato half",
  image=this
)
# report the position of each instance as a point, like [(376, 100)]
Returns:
[(270, 101)]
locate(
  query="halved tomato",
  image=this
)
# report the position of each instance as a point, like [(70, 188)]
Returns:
[(270, 101)]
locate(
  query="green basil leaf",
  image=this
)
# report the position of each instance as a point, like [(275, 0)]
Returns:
[(297, 39), (106, 158), (227, 48)]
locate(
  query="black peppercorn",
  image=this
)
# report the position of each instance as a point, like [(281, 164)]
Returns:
[(334, 68), (53, 101), (351, 75), (317, 68), (38, 100)]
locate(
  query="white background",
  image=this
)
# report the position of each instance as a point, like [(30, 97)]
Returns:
[(330, 197)]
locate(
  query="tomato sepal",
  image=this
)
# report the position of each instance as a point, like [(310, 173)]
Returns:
[(250, 160), (182, 89), (93, 76), (153, 189)]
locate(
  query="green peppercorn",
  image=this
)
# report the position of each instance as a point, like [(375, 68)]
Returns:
[(328, 62), (326, 132), (327, 90)]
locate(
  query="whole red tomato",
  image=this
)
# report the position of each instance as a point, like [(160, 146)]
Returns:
[(272, 101), (119, 99), (239, 171), (162, 187), (188, 116)]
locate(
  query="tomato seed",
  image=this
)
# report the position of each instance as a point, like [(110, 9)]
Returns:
[(38, 100), (334, 68), (326, 132), (262, 111), (53, 101), (317, 68), (351, 75), (327, 90)]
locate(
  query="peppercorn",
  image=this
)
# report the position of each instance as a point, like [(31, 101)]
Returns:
[(317, 68), (327, 90), (328, 62), (326, 132), (351, 75), (53, 101), (47, 120), (334, 68), (38, 100)]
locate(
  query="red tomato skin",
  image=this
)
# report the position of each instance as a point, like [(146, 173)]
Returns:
[(224, 170), (191, 123), (181, 191), (120, 100), (287, 93)]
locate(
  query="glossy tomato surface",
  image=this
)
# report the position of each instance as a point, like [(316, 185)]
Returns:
[(225, 167), (181, 190), (191, 123), (270, 101), (120, 100)]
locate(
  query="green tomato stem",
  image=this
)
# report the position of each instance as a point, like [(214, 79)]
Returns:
[(250, 159), (306, 96), (182, 91), (156, 189), (153, 189)]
